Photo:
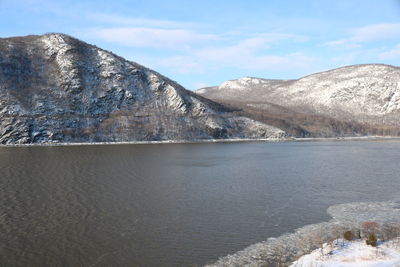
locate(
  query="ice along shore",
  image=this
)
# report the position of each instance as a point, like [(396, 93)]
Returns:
[(289, 247), (199, 141)]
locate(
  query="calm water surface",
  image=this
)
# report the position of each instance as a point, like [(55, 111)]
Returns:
[(176, 205)]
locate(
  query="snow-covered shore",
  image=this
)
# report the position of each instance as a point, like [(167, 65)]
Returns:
[(199, 141), (196, 141), (289, 247), (353, 253)]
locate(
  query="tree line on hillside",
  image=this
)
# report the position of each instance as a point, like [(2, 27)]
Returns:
[(307, 124)]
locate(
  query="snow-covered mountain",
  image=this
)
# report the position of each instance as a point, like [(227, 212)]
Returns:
[(55, 88), (359, 99)]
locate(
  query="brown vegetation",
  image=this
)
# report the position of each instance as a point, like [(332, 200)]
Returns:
[(348, 235), (372, 240), (308, 124)]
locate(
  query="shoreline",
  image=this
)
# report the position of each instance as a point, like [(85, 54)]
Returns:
[(202, 141), (286, 246)]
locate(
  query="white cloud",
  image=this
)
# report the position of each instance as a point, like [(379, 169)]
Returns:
[(198, 85), (342, 44), (178, 38), (197, 52), (391, 54), (152, 37), (336, 42), (245, 55), (137, 21), (347, 58), (277, 37), (180, 64), (369, 33), (376, 32)]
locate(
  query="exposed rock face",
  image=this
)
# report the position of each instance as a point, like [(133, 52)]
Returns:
[(54, 88), (359, 99)]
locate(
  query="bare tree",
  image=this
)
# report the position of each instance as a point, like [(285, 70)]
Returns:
[(337, 232), (279, 254), (390, 231), (370, 227), (320, 237)]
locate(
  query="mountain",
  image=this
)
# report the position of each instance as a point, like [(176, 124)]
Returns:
[(352, 100), (55, 88)]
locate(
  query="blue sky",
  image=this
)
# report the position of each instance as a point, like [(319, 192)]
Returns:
[(202, 43)]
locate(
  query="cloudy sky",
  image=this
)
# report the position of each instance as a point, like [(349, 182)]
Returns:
[(202, 43)]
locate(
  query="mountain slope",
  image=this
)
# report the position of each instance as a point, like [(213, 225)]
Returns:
[(55, 88), (353, 100)]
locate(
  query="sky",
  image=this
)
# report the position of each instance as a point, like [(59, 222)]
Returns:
[(204, 43)]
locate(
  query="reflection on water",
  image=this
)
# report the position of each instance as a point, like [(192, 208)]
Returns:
[(176, 205)]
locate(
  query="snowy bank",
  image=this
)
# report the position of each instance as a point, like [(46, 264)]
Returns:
[(200, 141), (354, 253), (289, 247)]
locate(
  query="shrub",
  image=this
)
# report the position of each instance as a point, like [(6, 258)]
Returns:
[(370, 227), (372, 240), (348, 235)]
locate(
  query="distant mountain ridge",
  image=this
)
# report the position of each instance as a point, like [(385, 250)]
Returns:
[(352, 100), (55, 88)]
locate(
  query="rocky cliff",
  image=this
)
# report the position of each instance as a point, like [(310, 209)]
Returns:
[(353, 100), (55, 88)]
